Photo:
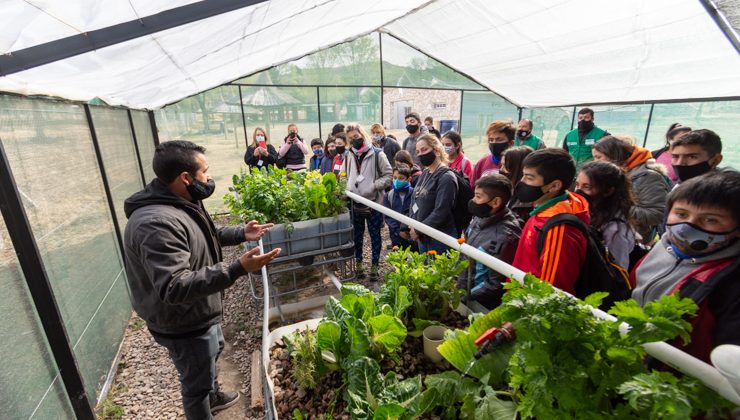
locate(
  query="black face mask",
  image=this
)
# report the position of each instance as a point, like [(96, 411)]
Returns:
[(523, 135), (412, 128), (201, 190), (527, 193), (358, 143), (497, 148), (584, 195), (585, 126), (341, 150), (686, 172), (427, 158), (479, 210)]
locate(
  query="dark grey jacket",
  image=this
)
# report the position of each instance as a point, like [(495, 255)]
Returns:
[(651, 189), (173, 261), (498, 236)]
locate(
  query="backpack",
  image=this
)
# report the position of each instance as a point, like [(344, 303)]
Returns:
[(464, 194), (599, 272)]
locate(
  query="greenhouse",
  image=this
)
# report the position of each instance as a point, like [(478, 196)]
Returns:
[(89, 90)]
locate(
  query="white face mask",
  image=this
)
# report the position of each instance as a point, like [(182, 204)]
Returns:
[(377, 137), (260, 138)]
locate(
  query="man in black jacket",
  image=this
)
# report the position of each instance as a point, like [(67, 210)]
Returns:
[(175, 270)]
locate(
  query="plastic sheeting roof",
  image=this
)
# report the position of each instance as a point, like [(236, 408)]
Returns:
[(535, 52)]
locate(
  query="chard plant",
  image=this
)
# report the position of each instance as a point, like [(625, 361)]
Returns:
[(358, 325)]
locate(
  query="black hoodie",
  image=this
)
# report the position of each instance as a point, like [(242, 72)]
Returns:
[(173, 261)]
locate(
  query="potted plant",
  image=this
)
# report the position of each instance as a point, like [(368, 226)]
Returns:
[(308, 209)]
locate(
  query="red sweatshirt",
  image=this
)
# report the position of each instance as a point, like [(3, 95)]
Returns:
[(565, 246)]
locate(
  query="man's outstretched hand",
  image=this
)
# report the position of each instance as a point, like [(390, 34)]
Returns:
[(254, 231), (252, 262)]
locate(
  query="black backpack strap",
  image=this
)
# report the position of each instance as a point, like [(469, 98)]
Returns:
[(560, 219), (377, 164)]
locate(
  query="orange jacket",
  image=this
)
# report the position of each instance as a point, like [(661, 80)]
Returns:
[(565, 246)]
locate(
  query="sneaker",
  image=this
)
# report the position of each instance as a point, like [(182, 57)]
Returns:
[(221, 400), (359, 270), (374, 273)]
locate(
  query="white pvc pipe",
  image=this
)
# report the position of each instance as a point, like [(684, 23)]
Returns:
[(664, 352), (266, 332)]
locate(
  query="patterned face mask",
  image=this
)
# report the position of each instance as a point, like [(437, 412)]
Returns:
[(689, 237)]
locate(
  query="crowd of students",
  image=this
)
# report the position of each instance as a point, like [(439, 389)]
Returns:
[(669, 217)]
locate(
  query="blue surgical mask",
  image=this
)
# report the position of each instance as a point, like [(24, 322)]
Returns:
[(399, 185), (318, 152), (696, 241)]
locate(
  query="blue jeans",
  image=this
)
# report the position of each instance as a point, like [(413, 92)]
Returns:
[(195, 359), (374, 222)]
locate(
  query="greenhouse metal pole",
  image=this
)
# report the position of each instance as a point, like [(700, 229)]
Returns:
[(244, 118), (104, 176), (647, 129), (459, 122), (155, 132), (39, 286), (318, 110), (136, 147), (573, 118), (382, 82), (664, 352)]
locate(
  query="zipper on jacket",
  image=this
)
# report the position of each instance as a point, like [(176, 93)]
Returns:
[(662, 276)]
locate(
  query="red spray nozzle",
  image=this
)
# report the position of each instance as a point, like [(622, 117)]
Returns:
[(493, 338)]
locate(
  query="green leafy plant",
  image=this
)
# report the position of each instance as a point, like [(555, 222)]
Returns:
[(459, 348), (374, 396), (458, 396), (357, 326), (273, 195), (562, 353), (305, 357), (323, 195), (426, 283)]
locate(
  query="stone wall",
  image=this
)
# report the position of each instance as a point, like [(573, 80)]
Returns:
[(421, 101)]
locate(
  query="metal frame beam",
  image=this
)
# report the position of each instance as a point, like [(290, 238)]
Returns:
[(104, 176), (136, 147), (721, 21), (42, 294), (49, 52), (153, 124)]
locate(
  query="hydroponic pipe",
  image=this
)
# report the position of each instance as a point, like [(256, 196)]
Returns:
[(664, 352), (265, 334)]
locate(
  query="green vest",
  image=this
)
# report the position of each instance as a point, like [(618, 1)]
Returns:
[(533, 141), (581, 150)]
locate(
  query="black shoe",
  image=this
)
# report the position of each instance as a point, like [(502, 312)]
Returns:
[(221, 400)]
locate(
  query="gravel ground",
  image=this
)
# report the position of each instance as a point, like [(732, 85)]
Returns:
[(146, 385)]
